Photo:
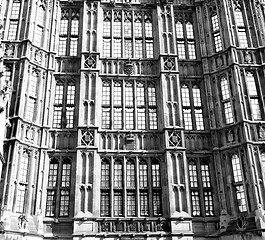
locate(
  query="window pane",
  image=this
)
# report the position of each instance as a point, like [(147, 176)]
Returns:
[(128, 48), (118, 204), (127, 29), (58, 94), (196, 96), (185, 96), (152, 119), (23, 168), (117, 99), (237, 172), (155, 175), (30, 109), (106, 47), (62, 46), (148, 29), (191, 50), (64, 203), (118, 175), (225, 89), (151, 95), (242, 37), (53, 174), (117, 29), (74, 27), (106, 28), (12, 31), (21, 193), (69, 117), (33, 85), (199, 119), (138, 48), (106, 93), (106, 118), (239, 18), (215, 23), (179, 30), (181, 50), (73, 46), (105, 204), (251, 85), (70, 97), (105, 174), (50, 203), (38, 35), (187, 119), (205, 175), (143, 179), (144, 204), (255, 108), (131, 205), (129, 119), (156, 204), (217, 42), (66, 174), (149, 49), (117, 48), (208, 203), (140, 94), (138, 29), (189, 29), (141, 119), (117, 119), (241, 198), (57, 117), (228, 113), (130, 171), (195, 202), (15, 10), (193, 175), (63, 26)]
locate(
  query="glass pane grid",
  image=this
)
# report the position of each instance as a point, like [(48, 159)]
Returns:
[(64, 202), (66, 175), (70, 98), (217, 42), (129, 118), (193, 175), (155, 175), (225, 89), (179, 30), (242, 37), (106, 118), (53, 174), (237, 172), (187, 119), (20, 200), (63, 26), (15, 10), (228, 113), (189, 29), (131, 204), (57, 117), (205, 176), (255, 108), (215, 23), (74, 27), (195, 201), (181, 50), (12, 31), (141, 119), (152, 119), (50, 203), (208, 203), (241, 198), (185, 96), (73, 46), (69, 117), (23, 170), (199, 119)]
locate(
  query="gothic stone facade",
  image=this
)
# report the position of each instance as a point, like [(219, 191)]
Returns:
[(132, 119)]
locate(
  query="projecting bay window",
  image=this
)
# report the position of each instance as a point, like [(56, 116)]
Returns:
[(129, 105), (216, 33), (200, 187), (238, 183), (192, 107), (185, 40), (123, 179), (14, 20), (64, 105), (226, 100), (241, 29), (22, 180), (127, 34), (253, 96), (69, 31), (58, 187)]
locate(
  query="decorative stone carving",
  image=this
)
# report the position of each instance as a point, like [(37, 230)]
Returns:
[(87, 137), (90, 61), (22, 222), (128, 68), (175, 139), (169, 63)]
